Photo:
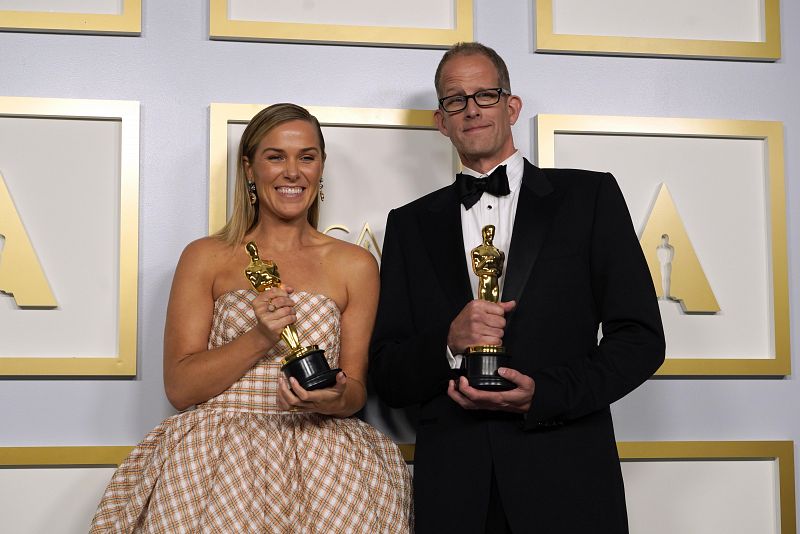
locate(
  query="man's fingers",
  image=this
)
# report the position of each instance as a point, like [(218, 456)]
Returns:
[(508, 306), (456, 395), (519, 379)]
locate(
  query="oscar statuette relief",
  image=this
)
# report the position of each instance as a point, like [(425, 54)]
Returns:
[(482, 361), (306, 364)]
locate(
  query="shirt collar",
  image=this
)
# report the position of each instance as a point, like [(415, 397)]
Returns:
[(514, 169)]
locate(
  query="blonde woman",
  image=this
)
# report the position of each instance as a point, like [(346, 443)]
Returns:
[(259, 453)]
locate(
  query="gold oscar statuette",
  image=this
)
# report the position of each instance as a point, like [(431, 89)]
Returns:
[(482, 361), (306, 364)]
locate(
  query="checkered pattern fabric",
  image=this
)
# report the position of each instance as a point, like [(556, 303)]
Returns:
[(238, 464)]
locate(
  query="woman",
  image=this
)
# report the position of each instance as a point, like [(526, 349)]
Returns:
[(260, 453)]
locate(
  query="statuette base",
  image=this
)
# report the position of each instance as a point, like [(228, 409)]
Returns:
[(480, 367), (310, 368)]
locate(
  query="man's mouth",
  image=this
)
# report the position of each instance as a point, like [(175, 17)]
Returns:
[(473, 129)]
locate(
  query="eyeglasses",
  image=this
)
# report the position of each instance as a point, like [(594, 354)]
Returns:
[(483, 98)]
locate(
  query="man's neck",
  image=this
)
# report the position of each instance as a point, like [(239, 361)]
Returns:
[(486, 164)]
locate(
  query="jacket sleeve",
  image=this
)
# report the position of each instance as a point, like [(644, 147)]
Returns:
[(408, 364), (632, 346)]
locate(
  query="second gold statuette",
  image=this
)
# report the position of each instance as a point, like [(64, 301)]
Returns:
[(482, 361)]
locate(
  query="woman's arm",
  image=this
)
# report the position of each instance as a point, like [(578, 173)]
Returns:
[(192, 373)]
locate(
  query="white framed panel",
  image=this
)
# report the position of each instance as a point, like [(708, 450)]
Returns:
[(710, 487), (54, 489), (725, 29), (726, 181), (72, 16), (76, 214), (423, 23), (414, 157)]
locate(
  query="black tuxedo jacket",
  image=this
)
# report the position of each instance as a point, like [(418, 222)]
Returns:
[(574, 263)]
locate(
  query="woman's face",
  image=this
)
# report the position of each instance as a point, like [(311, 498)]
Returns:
[(286, 169)]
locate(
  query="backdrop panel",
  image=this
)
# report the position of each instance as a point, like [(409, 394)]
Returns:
[(421, 23), (122, 17), (725, 180), (724, 29), (723, 487), (73, 218)]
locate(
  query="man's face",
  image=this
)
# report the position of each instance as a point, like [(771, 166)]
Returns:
[(482, 136)]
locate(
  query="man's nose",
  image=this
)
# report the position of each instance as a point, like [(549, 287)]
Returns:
[(472, 109)]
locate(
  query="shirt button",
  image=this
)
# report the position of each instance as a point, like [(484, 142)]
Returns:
[(489, 207)]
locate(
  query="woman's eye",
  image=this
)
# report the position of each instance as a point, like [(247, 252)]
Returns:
[(274, 157)]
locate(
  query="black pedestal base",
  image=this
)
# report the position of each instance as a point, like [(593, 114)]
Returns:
[(480, 368), (311, 370)]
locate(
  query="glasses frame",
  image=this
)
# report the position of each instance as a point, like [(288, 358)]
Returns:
[(500, 92)]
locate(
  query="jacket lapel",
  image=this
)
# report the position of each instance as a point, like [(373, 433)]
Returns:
[(444, 243), (535, 210)]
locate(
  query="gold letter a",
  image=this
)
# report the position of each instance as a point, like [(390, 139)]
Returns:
[(20, 271), (672, 259)]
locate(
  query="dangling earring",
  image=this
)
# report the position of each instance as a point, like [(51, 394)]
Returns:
[(251, 188), (321, 192)]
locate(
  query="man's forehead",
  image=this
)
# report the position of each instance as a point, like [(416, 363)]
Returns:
[(457, 74)]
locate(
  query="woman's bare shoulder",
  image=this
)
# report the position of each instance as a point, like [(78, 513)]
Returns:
[(205, 254), (349, 257), (208, 246)]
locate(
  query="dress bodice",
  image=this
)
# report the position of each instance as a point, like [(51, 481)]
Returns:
[(318, 323)]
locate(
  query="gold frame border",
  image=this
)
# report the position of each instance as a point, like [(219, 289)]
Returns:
[(780, 451), (110, 456), (630, 451), (127, 112), (633, 451), (547, 126), (769, 50), (221, 27), (221, 115), (128, 23)]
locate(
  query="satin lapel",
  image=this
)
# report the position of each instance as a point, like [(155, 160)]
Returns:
[(535, 210), (444, 243)]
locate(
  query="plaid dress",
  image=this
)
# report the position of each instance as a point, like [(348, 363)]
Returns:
[(238, 464)]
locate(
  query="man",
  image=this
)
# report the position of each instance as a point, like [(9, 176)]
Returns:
[(540, 457)]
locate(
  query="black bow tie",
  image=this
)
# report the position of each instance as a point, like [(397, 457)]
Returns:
[(470, 188)]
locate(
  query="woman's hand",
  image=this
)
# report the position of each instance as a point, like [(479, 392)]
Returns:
[(292, 397), (274, 310)]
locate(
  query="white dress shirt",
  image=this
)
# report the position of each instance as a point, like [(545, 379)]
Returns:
[(489, 209)]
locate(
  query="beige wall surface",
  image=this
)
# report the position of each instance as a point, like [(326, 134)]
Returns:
[(176, 72)]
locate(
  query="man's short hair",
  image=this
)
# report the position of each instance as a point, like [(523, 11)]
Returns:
[(469, 49)]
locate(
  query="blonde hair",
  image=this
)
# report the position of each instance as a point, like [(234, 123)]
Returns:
[(245, 215)]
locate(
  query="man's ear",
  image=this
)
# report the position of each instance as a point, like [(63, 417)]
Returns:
[(438, 116), (514, 108)]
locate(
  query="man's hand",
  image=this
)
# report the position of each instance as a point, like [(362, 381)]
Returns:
[(517, 400), (480, 322)]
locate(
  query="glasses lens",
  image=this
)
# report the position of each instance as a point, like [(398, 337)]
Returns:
[(487, 98), (454, 103)]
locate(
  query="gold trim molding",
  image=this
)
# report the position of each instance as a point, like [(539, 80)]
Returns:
[(221, 27), (129, 22), (631, 451), (222, 115), (780, 451), (63, 456), (127, 113), (548, 126), (768, 50), (642, 451)]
